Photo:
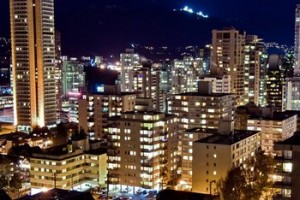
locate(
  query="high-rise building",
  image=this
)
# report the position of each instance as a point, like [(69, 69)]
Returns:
[(147, 84), (184, 76), (33, 63), (95, 109), (129, 62), (4, 63), (142, 150), (166, 77), (204, 56), (58, 75), (255, 60), (202, 109), (275, 80), (297, 41), (228, 54), (292, 86), (73, 77)]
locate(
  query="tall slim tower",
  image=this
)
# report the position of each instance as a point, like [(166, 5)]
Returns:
[(33, 61), (297, 41), (130, 62), (292, 87)]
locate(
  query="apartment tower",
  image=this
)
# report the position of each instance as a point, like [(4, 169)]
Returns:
[(228, 54), (33, 63)]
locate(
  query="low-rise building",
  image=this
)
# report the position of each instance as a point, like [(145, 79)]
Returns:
[(215, 155), (73, 166)]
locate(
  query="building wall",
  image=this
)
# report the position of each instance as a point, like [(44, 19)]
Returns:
[(212, 161), (129, 62), (219, 85), (187, 154), (33, 63), (273, 130), (94, 111), (287, 174), (228, 54), (68, 171), (197, 111), (142, 150)]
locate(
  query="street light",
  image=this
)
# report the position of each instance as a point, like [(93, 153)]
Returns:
[(210, 183)]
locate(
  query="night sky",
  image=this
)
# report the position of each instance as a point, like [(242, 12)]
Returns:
[(108, 26)]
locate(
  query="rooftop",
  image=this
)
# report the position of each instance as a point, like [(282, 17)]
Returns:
[(98, 151), (201, 130), (111, 93), (204, 95), (232, 138), (277, 116), (57, 153)]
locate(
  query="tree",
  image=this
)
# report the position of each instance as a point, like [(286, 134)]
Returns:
[(233, 185), (16, 181), (249, 180), (256, 172)]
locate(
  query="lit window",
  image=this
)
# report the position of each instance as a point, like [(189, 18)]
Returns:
[(287, 167)]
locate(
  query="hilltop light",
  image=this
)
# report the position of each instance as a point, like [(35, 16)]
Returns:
[(190, 10)]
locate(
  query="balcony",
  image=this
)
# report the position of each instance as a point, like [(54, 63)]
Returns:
[(146, 128), (146, 150), (113, 161)]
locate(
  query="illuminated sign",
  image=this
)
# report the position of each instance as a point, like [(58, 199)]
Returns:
[(100, 88)]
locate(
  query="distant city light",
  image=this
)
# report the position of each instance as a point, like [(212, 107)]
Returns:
[(190, 10)]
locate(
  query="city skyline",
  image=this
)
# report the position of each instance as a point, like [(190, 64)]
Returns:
[(84, 108), (104, 18)]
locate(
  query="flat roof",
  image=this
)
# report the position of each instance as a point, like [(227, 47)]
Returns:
[(232, 138), (204, 95), (57, 153), (277, 116), (201, 130), (98, 151)]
